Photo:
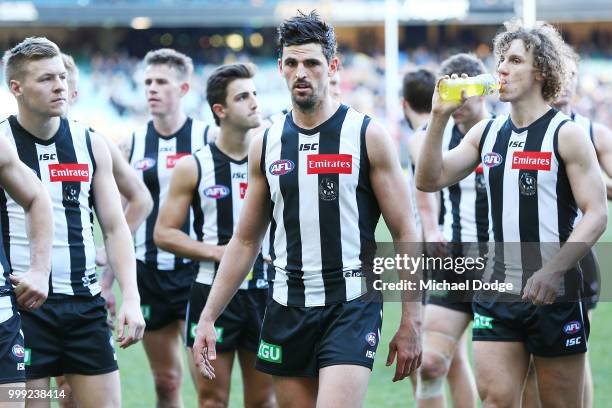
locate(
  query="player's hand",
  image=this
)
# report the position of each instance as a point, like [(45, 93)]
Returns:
[(31, 289), (101, 258), (204, 348), (111, 302), (407, 346), (218, 252), (435, 244), (440, 107), (543, 287), (130, 315)]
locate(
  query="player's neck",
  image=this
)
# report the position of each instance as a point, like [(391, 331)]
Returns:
[(167, 125), (418, 120), (566, 109), (526, 111), (43, 127), (309, 119), (465, 127), (233, 142)]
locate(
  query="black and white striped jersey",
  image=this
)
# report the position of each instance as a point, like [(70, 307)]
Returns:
[(530, 197), (65, 164), (222, 185), (324, 212), (464, 206), (154, 156), (7, 306)]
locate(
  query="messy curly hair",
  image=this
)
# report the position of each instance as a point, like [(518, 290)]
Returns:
[(548, 53)]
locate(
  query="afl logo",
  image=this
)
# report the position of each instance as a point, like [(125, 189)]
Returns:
[(492, 159), (572, 327), (216, 192), (371, 339), (280, 167), (18, 351), (144, 164)]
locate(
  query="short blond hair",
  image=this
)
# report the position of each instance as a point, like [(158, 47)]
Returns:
[(30, 49), (72, 71), (174, 59)]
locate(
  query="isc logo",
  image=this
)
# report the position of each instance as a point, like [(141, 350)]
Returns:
[(492, 159), (516, 143), (304, 147), (280, 167), (370, 354), (573, 342), (47, 156)]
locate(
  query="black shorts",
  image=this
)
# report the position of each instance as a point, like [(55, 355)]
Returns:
[(68, 335), (591, 276), (12, 351), (164, 294), (238, 327), (548, 331), (298, 341)]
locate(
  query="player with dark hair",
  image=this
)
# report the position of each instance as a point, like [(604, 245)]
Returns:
[(322, 174)]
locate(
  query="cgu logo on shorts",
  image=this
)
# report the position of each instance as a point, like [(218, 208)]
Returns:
[(144, 164), (281, 167), (531, 161), (492, 159), (216, 192), (172, 159), (270, 352), (329, 164), (572, 327), (243, 189), (68, 172)]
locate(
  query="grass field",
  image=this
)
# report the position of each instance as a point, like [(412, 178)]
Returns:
[(138, 391)]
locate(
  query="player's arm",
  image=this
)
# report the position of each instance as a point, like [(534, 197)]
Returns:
[(23, 186), (428, 204), (139, 201), (118, 243), (168, 234), (579, 158), (237, 260), (602, 138), (436, 170), (393, 199)]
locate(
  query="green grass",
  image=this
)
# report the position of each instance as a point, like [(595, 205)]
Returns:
[(138, 391)]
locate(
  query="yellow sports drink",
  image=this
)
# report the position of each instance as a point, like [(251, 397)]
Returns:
[(485, 84)]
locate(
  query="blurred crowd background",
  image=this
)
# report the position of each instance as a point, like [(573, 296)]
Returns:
[(108, 51)]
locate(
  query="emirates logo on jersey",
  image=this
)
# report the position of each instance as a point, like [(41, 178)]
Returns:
[(243, 189), (531, 161), (172, 159), (329, 164), (68, 172)]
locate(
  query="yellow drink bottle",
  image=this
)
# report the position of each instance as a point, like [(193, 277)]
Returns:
[(485, 84)]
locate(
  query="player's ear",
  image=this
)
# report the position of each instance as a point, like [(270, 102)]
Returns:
[(333, 66), (219, 110), (184, 88), (280, 65), (15, 87)]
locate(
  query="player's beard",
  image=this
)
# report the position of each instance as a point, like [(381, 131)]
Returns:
[(306, 104)]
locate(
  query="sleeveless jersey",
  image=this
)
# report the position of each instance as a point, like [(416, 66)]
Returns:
[(324, 212), (154, 156), (222, 185), (530, 197), (65, 164)]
